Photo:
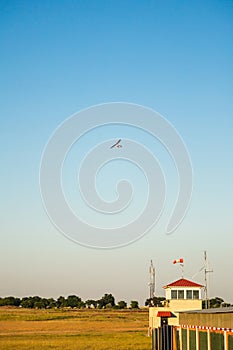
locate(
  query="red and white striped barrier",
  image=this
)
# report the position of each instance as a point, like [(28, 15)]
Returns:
[(207, 328)]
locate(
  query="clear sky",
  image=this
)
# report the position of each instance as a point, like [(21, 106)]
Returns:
[(58, 57)]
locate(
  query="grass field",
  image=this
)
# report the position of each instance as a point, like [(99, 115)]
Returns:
[(24, 329)]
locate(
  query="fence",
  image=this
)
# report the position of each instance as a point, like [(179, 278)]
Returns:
[(192, 338), (165, 338)]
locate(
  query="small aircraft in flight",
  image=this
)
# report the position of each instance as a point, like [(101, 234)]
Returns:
[(117, 144)]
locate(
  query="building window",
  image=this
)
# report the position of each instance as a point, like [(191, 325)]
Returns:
[(180, 294), (189, 294), (174, 294), (195, 294)]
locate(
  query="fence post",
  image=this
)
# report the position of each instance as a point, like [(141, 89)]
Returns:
[(188, 338), (197, 338), (208, 338), (175, 338), (180, 337), (225, 340), (154, 339)]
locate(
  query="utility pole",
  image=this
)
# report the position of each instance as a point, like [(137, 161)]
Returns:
[(206, 271), (152, 280)]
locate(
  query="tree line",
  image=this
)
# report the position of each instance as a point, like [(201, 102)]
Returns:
[(212, 303), (72, 301), (107, 301)]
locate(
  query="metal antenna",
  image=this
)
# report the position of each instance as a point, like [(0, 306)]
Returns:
[(206, 271), (182, 270), (152, 280)]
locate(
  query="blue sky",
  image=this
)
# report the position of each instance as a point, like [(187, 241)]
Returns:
[(58, 57)]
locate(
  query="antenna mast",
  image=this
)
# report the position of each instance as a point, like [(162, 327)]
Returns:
[(152, 280), (206, 271)]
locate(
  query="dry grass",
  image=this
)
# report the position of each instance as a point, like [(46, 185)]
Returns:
[(22, 329)]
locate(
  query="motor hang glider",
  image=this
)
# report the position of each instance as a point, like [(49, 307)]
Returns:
[(117, 144)]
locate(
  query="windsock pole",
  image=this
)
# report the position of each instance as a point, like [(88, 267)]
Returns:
[(181, 262)]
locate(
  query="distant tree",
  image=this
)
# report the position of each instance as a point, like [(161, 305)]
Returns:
[(91, 303), (82, 305), (61, 302), (27, 302), (36, 299), (10, 301), (39, 304), (107, 299), (122, 304), (215, 303), (134, 304), (45, 302), (109, 306), (156, 301), (34, 302), (51, 303), (73, 301), (226, 304)]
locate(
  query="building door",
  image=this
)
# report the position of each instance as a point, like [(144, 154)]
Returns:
[(164, 321)]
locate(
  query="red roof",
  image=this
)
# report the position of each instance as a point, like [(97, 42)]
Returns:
[(183, 283), (164, 314)]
